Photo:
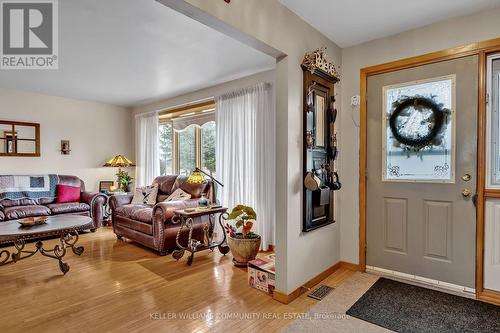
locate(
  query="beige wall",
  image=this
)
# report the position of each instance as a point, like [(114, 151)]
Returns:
[(300, 256), (203, 94), (96, 133), (435, 37)]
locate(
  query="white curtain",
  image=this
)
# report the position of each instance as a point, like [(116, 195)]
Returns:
[(147, 148), (245, 154)]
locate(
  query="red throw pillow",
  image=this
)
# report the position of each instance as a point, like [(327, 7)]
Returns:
[(66, 193)]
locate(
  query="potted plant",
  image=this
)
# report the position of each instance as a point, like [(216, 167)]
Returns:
[(124, 181), (245, 244)]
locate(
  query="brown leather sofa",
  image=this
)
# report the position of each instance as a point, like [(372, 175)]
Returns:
[(151, 226), (90, 204)]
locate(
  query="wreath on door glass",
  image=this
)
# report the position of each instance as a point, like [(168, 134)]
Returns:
[(418, 122)]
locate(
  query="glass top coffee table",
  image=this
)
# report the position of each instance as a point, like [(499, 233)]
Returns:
[(67, 227)]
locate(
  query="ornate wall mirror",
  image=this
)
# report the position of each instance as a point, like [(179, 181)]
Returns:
[(19, 139)]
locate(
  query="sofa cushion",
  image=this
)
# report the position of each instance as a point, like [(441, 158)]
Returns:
[(165, 184), (69, 207), (162, 197), (2, 215), (19, 212), (67, 193), (178, 195), (145, 195), (141, 213)]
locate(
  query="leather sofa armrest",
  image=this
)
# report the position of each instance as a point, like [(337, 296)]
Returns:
[(96, 202), (88, 197), (164, 211), (116, 201)]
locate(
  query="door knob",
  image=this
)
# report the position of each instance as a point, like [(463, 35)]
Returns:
[(466, 193)]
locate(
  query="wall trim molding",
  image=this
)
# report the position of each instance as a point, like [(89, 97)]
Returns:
[(350, 266), (288, 298), (482, 49)]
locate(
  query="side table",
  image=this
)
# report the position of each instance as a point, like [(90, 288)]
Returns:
[(194, 245)]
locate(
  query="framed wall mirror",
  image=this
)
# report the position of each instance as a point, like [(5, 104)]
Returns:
[(19, 139), (320, 117)]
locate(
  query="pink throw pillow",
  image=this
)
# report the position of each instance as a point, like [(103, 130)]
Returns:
[(66, 193)]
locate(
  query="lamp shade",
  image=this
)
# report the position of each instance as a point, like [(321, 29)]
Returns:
[(196, 177), (119, 161)]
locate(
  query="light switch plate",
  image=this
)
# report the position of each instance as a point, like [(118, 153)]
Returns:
[(355, 100)]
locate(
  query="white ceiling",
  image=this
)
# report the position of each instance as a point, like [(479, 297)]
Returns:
[(351, 22), (129, 52)]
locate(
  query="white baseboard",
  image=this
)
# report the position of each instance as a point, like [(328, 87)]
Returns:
[(423, 282)]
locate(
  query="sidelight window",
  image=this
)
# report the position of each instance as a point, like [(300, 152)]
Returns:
[(493, 119)]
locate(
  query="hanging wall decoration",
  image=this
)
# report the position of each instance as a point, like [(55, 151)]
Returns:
[(319, 140), (316, 62), (418, 122)]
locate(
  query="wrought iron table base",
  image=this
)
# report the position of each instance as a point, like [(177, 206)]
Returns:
[(67, 240), (194, 245)]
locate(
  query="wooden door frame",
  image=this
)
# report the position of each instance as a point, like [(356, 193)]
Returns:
[(482, 50)]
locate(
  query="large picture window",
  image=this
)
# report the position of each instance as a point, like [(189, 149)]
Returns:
[(187, 140)]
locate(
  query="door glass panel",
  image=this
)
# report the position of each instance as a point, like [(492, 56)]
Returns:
[(407, 155)]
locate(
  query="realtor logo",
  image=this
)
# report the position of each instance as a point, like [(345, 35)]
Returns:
[(29, 38)]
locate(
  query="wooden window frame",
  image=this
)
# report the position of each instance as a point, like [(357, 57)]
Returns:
[(13, 125)]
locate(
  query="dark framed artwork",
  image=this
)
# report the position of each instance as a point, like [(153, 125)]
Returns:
[(65, 149), (105, 185)]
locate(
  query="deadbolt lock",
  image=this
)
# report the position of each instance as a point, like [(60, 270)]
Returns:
[(466, 193), (466, 177)]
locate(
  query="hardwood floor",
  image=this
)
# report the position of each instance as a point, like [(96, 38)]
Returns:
[(116, 286)]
